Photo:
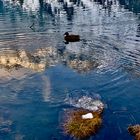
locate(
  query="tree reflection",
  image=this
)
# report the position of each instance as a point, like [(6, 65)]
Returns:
[(1, 7), (59, 7), (20, 1), (132, 5), (68, 5), (52, 8), (69, 10), (138, 30)]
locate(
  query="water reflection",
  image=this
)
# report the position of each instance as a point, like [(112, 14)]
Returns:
[(36, 67), (57, 6), (30, 5), (1, 6), (19, 65), (16, 58), (99, 33), (132, 5), (138, 31), (40, 59), (52, 8), (46, 88)]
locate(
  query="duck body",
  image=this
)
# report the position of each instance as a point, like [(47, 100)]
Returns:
[(71, 38)]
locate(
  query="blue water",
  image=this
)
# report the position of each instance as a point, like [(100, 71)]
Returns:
[(39, 73)]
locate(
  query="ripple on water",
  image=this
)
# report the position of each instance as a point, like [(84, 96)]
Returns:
[(35, 92)]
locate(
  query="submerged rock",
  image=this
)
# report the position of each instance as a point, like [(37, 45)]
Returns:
[(135, 130), (85, 120), (80, 128)]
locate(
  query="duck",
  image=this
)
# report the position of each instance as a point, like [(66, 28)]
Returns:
[(71, 38)]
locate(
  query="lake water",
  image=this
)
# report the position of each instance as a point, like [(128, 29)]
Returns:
[(39, 73)]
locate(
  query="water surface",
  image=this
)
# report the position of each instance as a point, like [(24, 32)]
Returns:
[(39, 73)]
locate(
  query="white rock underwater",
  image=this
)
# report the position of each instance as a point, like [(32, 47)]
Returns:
[(87, 116)]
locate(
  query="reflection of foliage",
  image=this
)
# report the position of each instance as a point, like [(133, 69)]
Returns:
[(56, 7), (82, 128), (133, 5), (69, 11), (21, 2), (138, 31)]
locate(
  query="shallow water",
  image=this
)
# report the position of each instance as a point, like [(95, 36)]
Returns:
[(39, 73)]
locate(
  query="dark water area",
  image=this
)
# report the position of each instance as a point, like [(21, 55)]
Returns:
[(39, 73)]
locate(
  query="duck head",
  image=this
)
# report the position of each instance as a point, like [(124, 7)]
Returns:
[(66, 34)]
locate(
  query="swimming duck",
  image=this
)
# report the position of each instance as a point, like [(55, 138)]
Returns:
[(71, 38)]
